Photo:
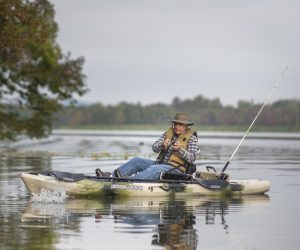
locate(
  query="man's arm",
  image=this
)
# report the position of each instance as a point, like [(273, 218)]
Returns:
[(190, 154), (158, 145)]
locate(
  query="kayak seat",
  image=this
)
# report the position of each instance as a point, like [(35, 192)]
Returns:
[(175, 176)]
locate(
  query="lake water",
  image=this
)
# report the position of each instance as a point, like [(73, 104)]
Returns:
[(52, 221)]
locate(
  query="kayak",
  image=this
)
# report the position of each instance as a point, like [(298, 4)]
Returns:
[(81, 185)]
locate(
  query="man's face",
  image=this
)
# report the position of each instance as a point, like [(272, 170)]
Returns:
[(179, 128)]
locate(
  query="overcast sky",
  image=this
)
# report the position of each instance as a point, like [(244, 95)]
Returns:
[(150, 51)]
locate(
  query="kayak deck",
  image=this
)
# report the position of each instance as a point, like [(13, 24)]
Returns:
[(79, 185)]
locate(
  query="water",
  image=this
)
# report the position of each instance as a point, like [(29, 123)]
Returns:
[(50, 221)]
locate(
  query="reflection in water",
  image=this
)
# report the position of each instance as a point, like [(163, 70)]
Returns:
[(215, 208), (173, 224), (176, 227)]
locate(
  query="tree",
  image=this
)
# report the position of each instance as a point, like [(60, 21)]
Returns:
[(35, 76)]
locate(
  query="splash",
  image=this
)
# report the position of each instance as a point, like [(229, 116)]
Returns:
[(48, 196)]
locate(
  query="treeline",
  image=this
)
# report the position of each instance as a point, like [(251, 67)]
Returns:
[(203, 111)]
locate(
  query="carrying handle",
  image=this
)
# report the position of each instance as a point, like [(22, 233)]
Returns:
[(212, 168)]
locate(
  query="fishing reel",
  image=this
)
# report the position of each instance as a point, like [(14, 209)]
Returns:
[(223, 176)]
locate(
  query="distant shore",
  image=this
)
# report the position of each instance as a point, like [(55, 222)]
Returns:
[(159, 127), (155, 133)]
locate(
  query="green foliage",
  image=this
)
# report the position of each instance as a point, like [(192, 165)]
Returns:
[(35, 77), (207, 114)]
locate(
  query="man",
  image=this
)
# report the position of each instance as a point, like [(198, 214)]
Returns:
[(177, 148)]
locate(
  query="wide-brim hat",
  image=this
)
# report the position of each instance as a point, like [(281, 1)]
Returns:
[(182, 117)]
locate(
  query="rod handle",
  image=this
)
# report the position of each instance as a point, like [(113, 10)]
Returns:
[(226, 165)]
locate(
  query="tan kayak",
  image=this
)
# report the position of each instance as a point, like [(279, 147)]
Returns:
[(80, 185)]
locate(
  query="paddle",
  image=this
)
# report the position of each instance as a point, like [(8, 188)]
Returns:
[(222, 174)]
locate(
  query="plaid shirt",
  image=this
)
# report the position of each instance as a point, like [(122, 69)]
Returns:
[(188, 155)]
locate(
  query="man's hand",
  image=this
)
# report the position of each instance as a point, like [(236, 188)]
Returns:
[(166, 143), (176, 145)]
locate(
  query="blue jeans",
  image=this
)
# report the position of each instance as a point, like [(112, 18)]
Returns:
[(140, 168)]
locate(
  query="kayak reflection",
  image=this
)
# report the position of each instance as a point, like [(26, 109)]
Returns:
[(173, 223)]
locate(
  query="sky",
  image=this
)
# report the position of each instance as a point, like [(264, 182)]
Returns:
[(149, 51)]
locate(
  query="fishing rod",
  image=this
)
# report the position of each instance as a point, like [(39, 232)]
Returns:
[(266, 101)]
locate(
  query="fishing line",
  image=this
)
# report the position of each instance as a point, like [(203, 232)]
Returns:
[(266, 101)]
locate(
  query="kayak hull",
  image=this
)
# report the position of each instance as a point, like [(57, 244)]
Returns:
[(95, 187)]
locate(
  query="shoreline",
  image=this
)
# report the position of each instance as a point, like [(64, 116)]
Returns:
[(157, 133)]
